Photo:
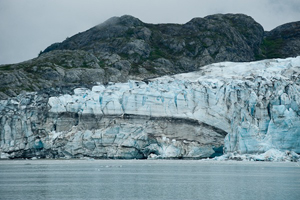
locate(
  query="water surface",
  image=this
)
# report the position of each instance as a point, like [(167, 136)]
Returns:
[(148, 179)]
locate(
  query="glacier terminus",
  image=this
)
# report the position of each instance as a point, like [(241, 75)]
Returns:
[(245, 107)]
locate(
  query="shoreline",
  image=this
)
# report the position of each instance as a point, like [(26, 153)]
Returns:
[(141, 161)]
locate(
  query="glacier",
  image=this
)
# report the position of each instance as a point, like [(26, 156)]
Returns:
[(248, 108)]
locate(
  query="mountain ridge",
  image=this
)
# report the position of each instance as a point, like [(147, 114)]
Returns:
[(124, 48)]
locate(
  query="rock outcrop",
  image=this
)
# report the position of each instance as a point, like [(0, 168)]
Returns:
[(282, 42), (254, 106)]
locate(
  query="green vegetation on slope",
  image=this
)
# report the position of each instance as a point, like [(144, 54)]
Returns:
[(270, 48)]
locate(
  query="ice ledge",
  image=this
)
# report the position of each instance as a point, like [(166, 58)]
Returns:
[(271, 68), (273, 155)]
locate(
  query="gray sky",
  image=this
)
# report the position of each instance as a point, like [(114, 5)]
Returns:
[(28, 26)]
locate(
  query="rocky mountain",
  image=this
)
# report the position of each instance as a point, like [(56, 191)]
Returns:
[(282, 41), (124, 48), (116, 91)]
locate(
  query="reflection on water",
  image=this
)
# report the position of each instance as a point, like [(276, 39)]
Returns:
[(148, 179)]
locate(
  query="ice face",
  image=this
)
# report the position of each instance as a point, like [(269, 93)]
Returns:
[(256, 105)]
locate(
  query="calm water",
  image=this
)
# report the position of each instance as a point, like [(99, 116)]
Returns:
[(148, 179)]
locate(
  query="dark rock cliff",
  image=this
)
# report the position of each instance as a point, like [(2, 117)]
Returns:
[(282, 42)]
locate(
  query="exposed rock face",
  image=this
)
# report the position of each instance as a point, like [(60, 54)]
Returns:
[(218, 37), (254, 106), (282, 41), (55, 72)]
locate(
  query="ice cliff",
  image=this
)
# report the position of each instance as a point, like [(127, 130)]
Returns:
[(236, 107)]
